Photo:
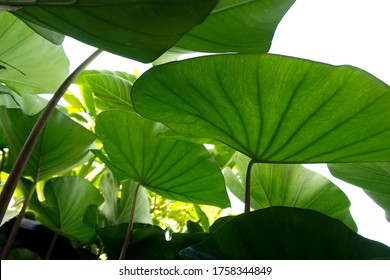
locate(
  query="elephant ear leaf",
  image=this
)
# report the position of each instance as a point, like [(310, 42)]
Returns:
[(271, 108), (288, 234), (66, 201), (178, 170), (138, 29)]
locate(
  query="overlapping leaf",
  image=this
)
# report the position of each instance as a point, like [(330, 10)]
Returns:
[(138, 29), (31, 63), (177, 170), (373, 178), (272, 108), (237, 26), (63, 144), (290, 185), (286, 233)]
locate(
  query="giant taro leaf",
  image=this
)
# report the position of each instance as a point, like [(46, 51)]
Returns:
[(373, 178), (63, 144), (237, 26), (138, 29), (178, 170), (66, 201), (290, 185), (28, 62), (271, 108), (286, 233)]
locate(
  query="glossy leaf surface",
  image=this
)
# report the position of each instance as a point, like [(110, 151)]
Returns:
[(286, 233), (64, 144), (237, 26), (138, 29), (177, 170), (290, 185), (373, 178), (32, 64), (272, 108)]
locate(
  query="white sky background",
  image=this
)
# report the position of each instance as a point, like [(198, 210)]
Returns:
[(354, 32)]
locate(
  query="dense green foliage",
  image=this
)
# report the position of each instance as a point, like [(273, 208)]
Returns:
[(146, 167)]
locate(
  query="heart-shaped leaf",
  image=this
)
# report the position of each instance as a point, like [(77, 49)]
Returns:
[(373, 178), (237, 26), (138, 29), (290, 185), (271, 108), (66, 201), (284, 233), (32, 64), (63, 145), (177, 170)]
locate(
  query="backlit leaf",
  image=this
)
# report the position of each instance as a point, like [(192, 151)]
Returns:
[(178, 170), (271, 108)]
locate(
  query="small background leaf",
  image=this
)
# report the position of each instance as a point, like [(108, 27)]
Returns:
[(290, 185), (118, 201), (373, 178)]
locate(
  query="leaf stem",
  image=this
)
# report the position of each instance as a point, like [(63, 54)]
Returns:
[(25, 153), (15, 227), (130, 227), (52, 244), (247, 208)]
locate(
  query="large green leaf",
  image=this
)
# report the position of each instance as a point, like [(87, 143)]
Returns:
[(177, 170), (272, 108), (66, 200), (290, 185), (286, 233), (237, 26), (373, 178), (118, 201), (138, 29), (32, 64), (63, 144)]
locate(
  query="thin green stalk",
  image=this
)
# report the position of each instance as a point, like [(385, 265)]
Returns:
[(25, 153), (130, 227), (52, 244), (15, 227), (248, 187)]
